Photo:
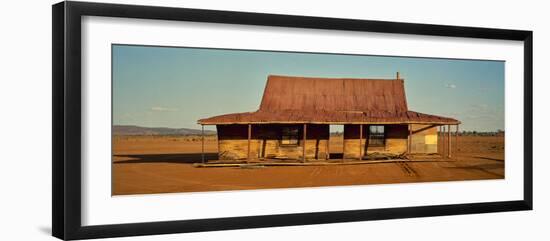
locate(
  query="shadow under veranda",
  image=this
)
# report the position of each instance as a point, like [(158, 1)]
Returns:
[(183, 158), (187, 158)]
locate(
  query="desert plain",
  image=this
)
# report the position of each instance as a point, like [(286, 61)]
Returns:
[(164, 164)]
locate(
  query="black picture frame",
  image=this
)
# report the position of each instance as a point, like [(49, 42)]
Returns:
[(66, 127)]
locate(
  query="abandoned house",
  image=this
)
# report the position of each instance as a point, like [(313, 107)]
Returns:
[(295, 114)]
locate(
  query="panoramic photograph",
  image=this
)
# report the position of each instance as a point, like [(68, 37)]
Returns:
[(203, 119)]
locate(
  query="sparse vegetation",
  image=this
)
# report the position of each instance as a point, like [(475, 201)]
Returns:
[(481, 133)]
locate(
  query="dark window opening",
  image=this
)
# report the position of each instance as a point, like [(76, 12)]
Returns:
[(290, 136), (377, 136)]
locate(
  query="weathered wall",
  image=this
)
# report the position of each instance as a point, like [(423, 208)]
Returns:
[(351, 141), (424, 140), (265, 142), (396, 141)]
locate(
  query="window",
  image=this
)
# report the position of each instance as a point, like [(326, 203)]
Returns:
[(376, 136), (290, 136)]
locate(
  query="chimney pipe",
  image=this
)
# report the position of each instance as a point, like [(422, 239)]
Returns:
[(397, 75)]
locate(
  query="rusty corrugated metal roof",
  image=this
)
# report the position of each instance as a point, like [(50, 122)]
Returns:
[(333, 94), (289, 99)]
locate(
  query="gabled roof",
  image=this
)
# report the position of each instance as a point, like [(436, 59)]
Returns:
[(333, 94), (289, 99)]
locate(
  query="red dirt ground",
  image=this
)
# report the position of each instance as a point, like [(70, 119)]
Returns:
[(155, 164)]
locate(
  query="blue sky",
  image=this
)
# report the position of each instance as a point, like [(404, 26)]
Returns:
[(174, 87)]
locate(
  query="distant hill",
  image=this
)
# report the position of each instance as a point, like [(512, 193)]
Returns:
[(129, 130)]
